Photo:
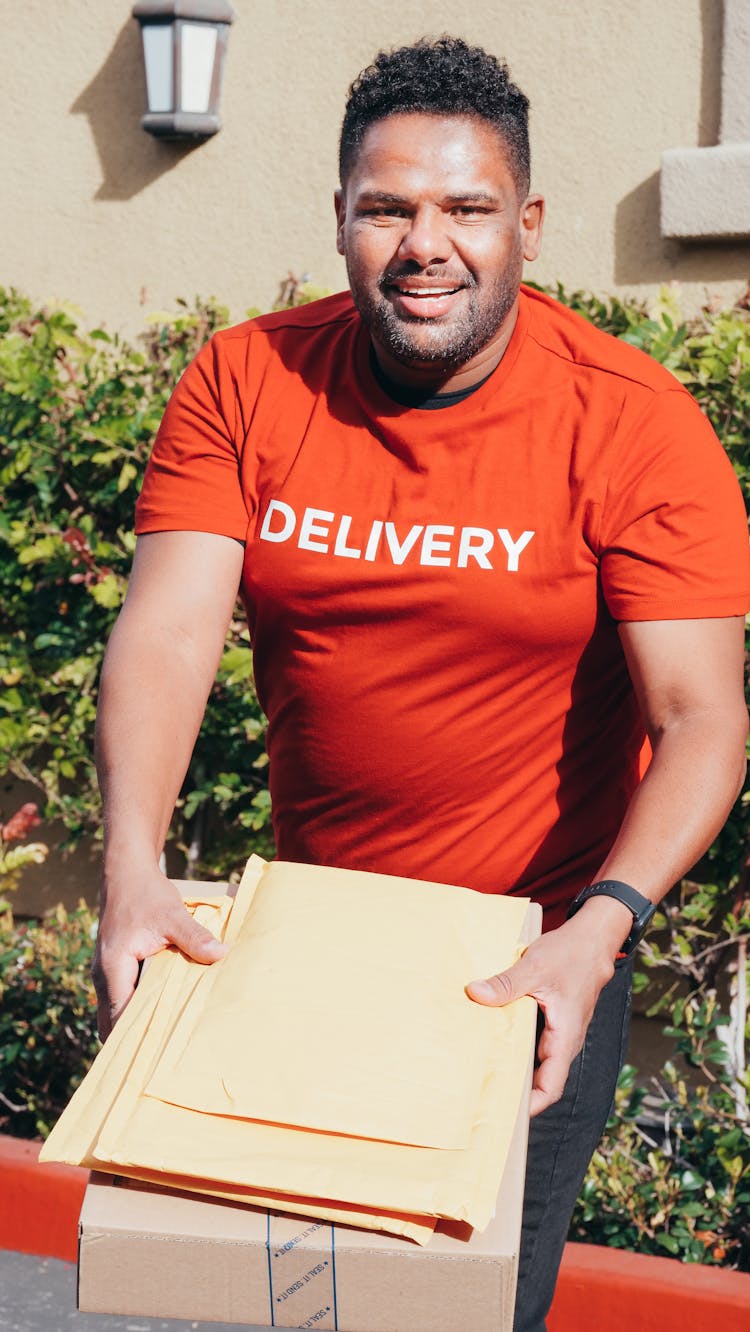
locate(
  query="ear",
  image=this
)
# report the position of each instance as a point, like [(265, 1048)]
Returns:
[(532, 219), (339, 204)]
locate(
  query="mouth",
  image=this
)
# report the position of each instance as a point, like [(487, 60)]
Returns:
[(421, 300)]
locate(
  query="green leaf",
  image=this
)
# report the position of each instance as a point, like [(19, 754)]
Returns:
[(669, 1243), (236, 665), (43, 549), (108, 591), (128, 473)]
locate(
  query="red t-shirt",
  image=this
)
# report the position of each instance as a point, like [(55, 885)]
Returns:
[(433, 596)]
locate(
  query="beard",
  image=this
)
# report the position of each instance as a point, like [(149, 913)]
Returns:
[(448, 342)]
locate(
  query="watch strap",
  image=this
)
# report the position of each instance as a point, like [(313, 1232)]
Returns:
[(641, 907)]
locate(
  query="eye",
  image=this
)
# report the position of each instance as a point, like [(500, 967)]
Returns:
[(471, 210), (384, 210)]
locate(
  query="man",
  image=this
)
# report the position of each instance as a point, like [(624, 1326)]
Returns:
[(481, 546)]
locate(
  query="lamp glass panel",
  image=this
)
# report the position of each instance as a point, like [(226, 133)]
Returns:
[(157, 54), (197, 66)]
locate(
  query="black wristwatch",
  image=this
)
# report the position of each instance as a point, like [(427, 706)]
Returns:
[(640, 906)]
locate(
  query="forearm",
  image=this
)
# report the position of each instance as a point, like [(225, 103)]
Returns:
[(152, 697), (159, 667), (693, 779), (158, 670), (151, 704), (688, 678)]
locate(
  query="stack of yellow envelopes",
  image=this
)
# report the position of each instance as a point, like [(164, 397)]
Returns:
[(331, 1064)]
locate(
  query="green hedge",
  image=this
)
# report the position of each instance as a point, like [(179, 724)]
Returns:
[(78, 412), (47, 1016), (77, 415)]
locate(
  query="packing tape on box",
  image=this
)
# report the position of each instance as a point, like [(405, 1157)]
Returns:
[(301, 1272)]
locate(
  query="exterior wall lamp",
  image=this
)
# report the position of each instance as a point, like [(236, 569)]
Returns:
[(184, 44)]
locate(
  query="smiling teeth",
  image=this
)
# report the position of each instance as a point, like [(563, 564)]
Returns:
[(427, 291)]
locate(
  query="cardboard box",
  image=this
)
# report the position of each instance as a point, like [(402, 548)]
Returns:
[(158, 1253)]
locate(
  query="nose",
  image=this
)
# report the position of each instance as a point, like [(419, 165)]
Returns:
[(426, 239)]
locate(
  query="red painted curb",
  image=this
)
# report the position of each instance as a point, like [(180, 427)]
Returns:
[(613, 1290), (598, 1290), (39, 1204)]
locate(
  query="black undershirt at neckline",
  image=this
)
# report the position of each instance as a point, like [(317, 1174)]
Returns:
[(406, 396)]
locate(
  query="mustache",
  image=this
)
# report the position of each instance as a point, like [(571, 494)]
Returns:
[(443, 277)]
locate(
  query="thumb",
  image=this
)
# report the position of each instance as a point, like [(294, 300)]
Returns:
[(498, 990), (194, 940)]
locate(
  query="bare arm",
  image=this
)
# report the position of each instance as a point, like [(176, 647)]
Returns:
[(688, 675), (158, 671)]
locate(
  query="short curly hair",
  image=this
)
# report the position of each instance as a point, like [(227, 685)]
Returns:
[(441, 76)]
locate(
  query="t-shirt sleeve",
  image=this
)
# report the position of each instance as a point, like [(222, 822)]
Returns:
[(673, 536), (192, 480)]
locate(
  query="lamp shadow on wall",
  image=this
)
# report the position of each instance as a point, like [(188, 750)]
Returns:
[(114, 102)]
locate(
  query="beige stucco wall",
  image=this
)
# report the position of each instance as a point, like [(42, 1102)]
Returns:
[(97, 212)]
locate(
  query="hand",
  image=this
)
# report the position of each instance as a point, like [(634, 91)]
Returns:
[(564, 971), (138, 919)]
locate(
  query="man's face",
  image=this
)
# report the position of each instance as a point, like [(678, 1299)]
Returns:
[(434, 236)]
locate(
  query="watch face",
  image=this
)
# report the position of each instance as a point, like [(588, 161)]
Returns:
[(640, 924)]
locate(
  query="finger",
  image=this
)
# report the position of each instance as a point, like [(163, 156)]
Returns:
[(548, 1088), (501, 989), (114, 987), (550, 1075), (194, 940)]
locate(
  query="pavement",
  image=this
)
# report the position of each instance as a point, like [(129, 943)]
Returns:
[(39, 1295)]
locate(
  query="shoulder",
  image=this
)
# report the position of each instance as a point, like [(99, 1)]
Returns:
[(301, 350), (326, 315), (587, 351)]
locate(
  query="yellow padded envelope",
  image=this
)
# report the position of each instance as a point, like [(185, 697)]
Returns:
[(114, 1083), (337, 1007), (172, 1039)]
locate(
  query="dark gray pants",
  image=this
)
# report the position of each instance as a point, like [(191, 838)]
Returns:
[(562, 1141)]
